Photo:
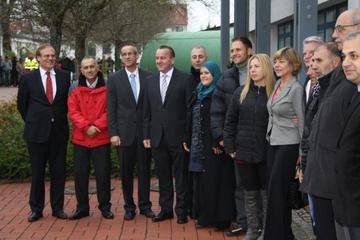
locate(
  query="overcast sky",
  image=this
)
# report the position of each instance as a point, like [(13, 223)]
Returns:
[(199, 16)]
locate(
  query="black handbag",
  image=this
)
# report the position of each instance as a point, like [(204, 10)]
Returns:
[(296, 198)]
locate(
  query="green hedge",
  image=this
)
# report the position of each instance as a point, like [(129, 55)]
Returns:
[(14, 158)]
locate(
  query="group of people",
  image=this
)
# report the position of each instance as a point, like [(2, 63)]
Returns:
[(232, 141), (10, 71)]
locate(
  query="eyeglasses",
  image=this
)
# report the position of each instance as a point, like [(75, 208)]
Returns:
[(341, 28)]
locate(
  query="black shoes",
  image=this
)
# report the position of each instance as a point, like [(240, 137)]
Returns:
[(34, 216), (182, 220), (147, 213), (107, 214), (162, 216), (60, 214), (79, 214), (235, 230), (129, 215)]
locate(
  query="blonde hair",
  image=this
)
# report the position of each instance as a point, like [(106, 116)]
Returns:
[(290, 55), (266, 67)]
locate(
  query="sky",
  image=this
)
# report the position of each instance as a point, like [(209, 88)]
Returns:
[(200, 16)]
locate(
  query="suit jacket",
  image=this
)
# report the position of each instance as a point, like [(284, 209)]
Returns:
[(39, 115), (281, 130), (125, 115), (347, 167), (167, 119)]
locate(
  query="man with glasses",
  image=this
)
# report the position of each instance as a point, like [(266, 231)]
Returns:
[(125, 117), (346, 23), (42, 103)]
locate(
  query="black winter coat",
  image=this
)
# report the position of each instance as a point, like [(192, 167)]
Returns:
[(246, 125), (224, 90), (310, 111), (347, 198), (319, 177)]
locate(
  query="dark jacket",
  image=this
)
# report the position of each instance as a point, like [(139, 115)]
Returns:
[(167, 119), (221, 98), (347, 198), (310, 111), (246, 125), (125, 115), (320, 164), (201, 138), (39, 115), (88, 107), (195, 77)]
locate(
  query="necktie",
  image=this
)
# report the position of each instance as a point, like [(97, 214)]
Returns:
[(316, 90), (133, 85), (163, 88), (49, 89)]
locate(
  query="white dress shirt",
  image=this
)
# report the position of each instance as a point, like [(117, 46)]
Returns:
[(53, 80)]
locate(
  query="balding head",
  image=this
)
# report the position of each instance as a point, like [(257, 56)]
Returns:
[(346, 23)]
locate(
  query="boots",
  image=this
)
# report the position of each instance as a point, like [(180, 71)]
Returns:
[(263, 196), (251, 208)]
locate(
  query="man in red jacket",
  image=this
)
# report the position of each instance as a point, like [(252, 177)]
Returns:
[(87, 111)]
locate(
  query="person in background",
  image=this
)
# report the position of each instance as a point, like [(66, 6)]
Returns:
[(284, 135), (245, 127), (7, 68), (198, 56), (213, 193)]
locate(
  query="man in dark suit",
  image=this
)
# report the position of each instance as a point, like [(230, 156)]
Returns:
[(347, 202), (125, 119), (164, 130), (42, 103)]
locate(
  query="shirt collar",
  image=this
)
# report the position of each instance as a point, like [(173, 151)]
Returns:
[(169, 73), (92, 85), (358, 87), (43, 71), (136, 72)]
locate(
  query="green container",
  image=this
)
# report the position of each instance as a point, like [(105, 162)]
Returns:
[(182, 43)]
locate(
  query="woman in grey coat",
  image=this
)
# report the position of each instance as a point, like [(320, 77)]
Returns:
[(285, 127)]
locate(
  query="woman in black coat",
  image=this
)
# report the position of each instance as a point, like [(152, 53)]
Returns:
[(245, 136), (214, 180)]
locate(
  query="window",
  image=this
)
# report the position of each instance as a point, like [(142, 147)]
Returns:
[(286, 34), (327, 19)]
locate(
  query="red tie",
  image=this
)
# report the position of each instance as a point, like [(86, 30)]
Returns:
[(49, 89)]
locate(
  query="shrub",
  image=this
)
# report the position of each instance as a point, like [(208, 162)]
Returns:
[(14, 157)]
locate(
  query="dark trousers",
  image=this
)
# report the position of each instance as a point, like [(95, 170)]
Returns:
[(253, 175), (281, 168), (128, 156), (169, 162), (100, 157), (53, 151), (324, 218), (239, 197)]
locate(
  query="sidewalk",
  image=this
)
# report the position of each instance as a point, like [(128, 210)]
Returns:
[(14, 210), (7, 93)]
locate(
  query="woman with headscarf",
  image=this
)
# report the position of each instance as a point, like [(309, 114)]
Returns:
[(214, 180)]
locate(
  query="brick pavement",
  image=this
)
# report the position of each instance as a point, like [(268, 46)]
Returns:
[(14, 210)]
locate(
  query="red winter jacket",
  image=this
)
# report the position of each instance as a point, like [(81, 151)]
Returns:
[(88, 107)]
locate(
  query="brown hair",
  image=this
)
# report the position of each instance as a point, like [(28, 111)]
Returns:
[(290, 55)]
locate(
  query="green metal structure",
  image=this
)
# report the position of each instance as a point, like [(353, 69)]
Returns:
[(182, 43)]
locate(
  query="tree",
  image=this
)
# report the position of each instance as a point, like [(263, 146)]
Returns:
[(49, 13), (80, 20), (6, 10)]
